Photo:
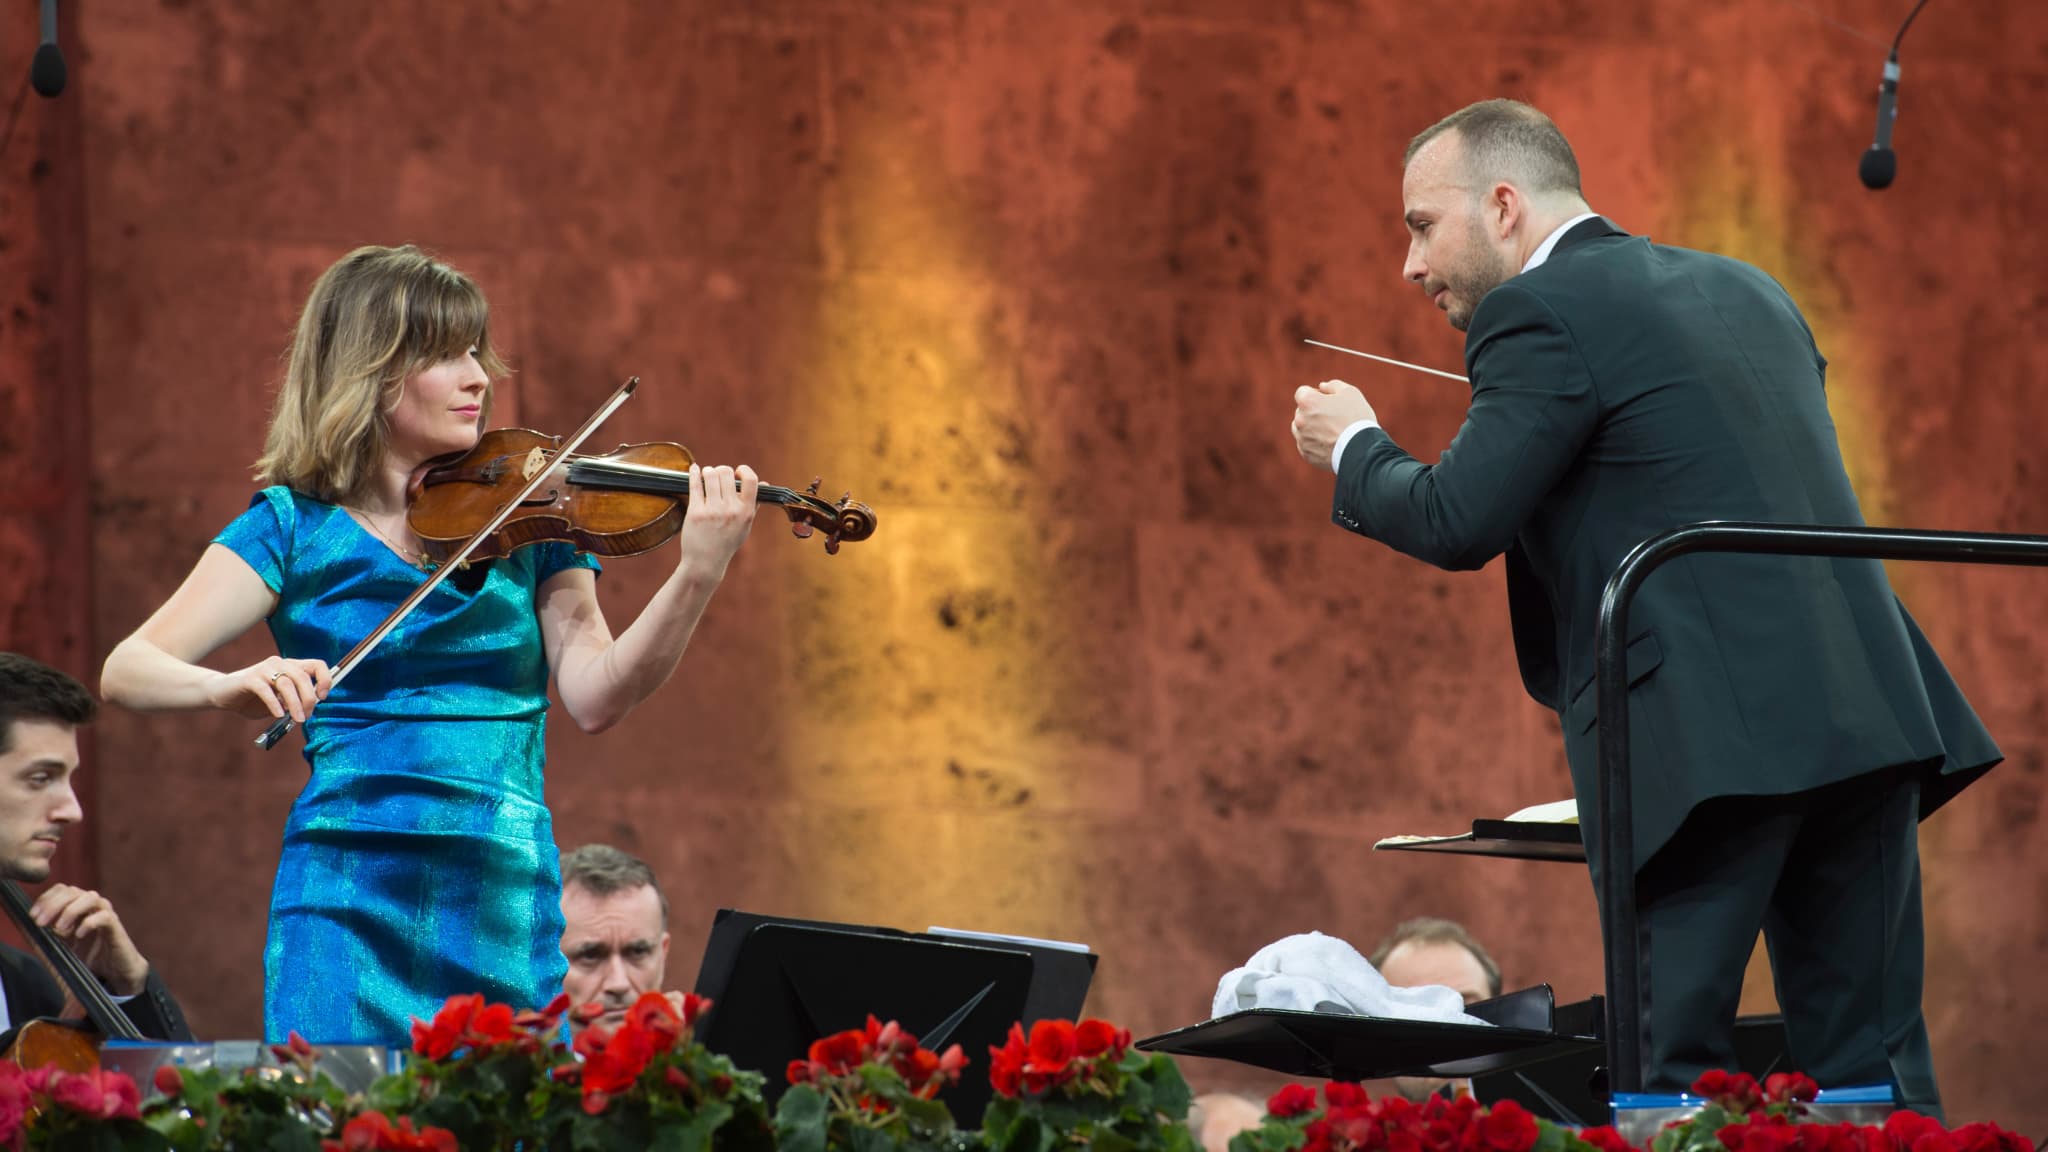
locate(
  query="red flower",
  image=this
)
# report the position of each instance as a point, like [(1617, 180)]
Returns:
[(1053, 1047), (1293, 1100), (840, 1054), (799, 1072), (374, 1132), (694, 1007), (490, 1026), (653, 1014), (926, 1071), (613, 1062), (1983, 1137), (1006, 1064), (1779, 1086), (440, 1039), (1606, 1139), (1906, 1129), (1736, 1091), (1345, 1095), (1094, 1038), (168, 1079), (99, 1094), (1761, 1134), (1508, 1127)]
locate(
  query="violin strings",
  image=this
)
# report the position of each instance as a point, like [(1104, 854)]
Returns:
[(628, 468)]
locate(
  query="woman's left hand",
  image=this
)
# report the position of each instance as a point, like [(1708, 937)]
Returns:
[(723, 502)]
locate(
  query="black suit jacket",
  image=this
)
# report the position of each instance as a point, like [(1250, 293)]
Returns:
[(1623, 388), (33, 992)]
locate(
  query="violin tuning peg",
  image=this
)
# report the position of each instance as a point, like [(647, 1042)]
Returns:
[(800, 530), (846, 498), (816, 483), (832, 544)]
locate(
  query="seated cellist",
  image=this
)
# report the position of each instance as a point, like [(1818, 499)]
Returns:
[(41, 710)]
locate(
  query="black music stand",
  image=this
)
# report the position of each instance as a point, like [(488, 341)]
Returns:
[(1344, 1047), (779, 984), (1512, 839)]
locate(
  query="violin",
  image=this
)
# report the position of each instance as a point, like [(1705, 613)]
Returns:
[(628, 501), (66, 1044), (506, 492)]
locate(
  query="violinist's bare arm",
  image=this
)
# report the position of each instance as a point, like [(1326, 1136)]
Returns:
[(601, 678), (85, 922), (157, 668)]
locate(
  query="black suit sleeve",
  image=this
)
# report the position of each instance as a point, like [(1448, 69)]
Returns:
[(155, 1012), (32, 993), (1533, 409)]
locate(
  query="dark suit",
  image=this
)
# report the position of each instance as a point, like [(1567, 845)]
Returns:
[(33, 992), (1620, 389)]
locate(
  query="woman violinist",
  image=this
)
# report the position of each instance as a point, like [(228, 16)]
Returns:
[(419, 861)]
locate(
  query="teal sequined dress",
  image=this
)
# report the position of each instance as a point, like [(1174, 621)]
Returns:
[(419, 861)]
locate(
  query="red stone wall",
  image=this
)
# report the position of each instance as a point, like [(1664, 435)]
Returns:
[(1031, 280)]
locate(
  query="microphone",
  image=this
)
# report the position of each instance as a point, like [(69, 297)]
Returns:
[(1880, 163), (46, 72)]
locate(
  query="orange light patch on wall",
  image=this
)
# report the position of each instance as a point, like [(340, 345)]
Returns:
[(929, 658)]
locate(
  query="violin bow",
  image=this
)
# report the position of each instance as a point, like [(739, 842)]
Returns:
[(283, 724)]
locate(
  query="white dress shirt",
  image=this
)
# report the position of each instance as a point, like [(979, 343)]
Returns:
[(1541, 254)]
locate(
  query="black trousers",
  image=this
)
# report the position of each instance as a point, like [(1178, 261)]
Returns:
[(1832, 878)]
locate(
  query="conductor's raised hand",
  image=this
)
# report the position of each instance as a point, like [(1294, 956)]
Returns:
[(272, 687), (1321, 414), (723, 502), (85, 922)]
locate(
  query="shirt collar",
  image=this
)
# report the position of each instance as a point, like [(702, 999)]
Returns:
[(1542, 252)]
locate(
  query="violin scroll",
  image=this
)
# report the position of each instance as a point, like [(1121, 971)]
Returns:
[(846, 521)]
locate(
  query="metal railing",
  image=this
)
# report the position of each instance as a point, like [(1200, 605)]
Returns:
[(1619, 922)]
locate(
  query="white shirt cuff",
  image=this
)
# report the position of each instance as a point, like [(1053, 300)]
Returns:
[(1343, 438)]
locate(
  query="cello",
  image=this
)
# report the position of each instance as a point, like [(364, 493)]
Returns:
[(70, 1045)]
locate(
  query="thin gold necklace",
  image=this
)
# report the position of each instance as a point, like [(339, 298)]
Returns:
[(411, 556)]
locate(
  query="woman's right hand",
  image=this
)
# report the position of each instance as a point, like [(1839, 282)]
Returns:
[(272, 687)]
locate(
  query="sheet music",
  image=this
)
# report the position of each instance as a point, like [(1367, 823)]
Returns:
[(999, 938)]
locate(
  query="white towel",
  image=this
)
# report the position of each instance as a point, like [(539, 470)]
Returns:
[(1318, 973)]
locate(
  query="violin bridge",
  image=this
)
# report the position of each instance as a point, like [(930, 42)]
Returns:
[(536, 460)]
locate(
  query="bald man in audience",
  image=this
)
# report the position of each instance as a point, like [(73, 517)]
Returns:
[(1429, 950)]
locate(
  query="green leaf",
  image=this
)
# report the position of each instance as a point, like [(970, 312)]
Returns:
[(930, 1115), (800, 1120), (1170, 1092), (694, 1136), (1027, 1133), (1110, 1140), (871, 1140)]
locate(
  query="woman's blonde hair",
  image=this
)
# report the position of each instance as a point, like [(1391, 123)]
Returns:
[(374, 318)]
